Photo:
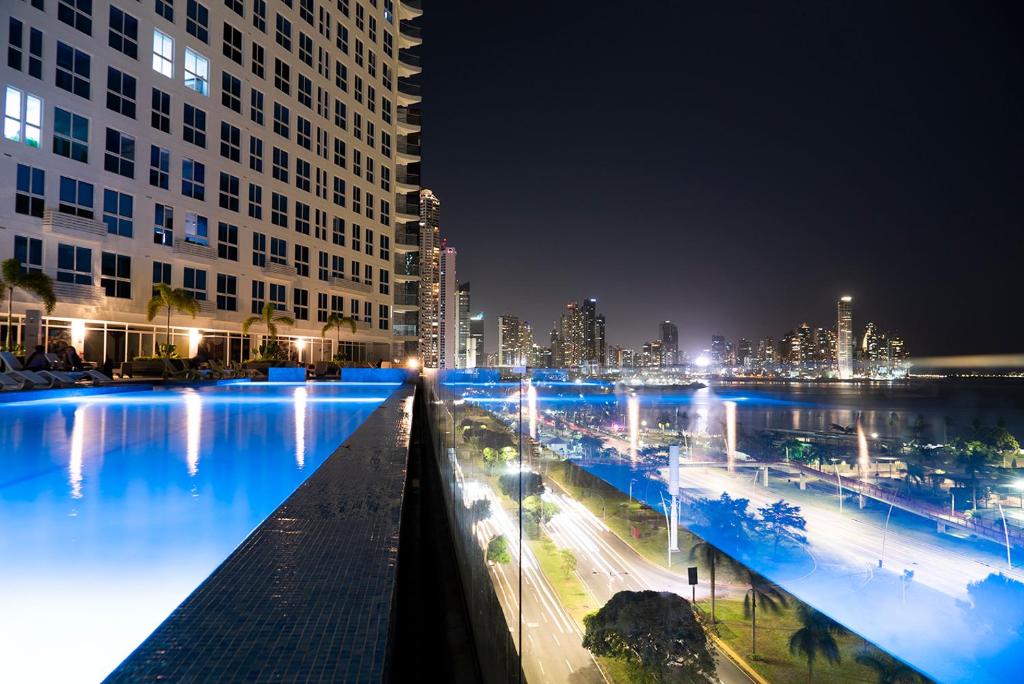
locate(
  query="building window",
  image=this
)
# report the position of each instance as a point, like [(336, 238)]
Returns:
[(278, 251), (323, 266), (116, 275), (197, 20), (302, 218), (339, 153), (300, 298), (29, 253), (163, 227), (74, 264), (76, 13), (117, 212), (120, 154), (302, 132), (383, 316), (163, 53), (355, 270), (194, 282), (197, 72), (120, 92), (279, 210), (279, 296), (16, 48), (302, 260), (256, 154), (338, 267), (161, 119), (227, 292), (235, 6), (229, 192), (279, 164), (159, 167), (305, 92), (230, 142), (73, 70), (259, 249), (384, 278), (161, 274), (255, 201), (124, 32), (231, 92), (232, 43), (193, 179), (337, 305), (196, 229), (339, 191), (259, 15), (341, 76), (305, 49), (302, 174), (23, 117), (165, 8), (70, 135), (76, 197), (259, 295), (321, 307), (283, 34), (282, 76), (227, 241), (256, 106), (194, 128), (30, 198), (338, 231), (281, 121)]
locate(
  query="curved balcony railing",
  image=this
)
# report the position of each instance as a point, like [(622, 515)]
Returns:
[(409, 117), (410, 30), (413, 4), (407, 298), (407, 179), (409, 149), (409, 58), (407, 238), (404, 330), (407, 88)]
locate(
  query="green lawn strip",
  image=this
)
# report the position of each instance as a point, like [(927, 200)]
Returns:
[(569, 589), (773, 660)]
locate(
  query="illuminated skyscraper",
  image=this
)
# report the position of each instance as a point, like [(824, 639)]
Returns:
[(448, 309), (430, 282), (717, 349), (475, 345), (744, 352), (515, 341), (670, 342), (844, 337), (462, 323)]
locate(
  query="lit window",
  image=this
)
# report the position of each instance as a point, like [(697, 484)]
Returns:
[(163, 53), (197, 72), (195, 229), (23, 117)]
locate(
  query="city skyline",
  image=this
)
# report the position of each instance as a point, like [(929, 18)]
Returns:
[(776, 183)]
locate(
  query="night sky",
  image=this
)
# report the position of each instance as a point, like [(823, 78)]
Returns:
[(734, 167)]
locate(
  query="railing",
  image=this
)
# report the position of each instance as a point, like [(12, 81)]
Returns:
[(58, 222), (404, 330), (409, 30), (408, 149), (413, 4), (407, 88), (195, 250), (274, 268), (408, 179), (410, 117), (406, 267), (409, 58), (407, 238), (344, 284)]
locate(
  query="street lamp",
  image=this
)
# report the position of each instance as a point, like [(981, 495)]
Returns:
[(631, 491)]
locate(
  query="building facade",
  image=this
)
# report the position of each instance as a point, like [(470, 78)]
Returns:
[(249, 155), (515, 341), (448, 309), (462, 325), (844, 337), (670, 342), (430, 279)]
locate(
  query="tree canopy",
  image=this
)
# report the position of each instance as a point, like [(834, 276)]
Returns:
[(656, 632)]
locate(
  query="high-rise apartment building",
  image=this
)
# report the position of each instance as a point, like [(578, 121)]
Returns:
[(475, 355), (249, 154), (515, 341), (572, 337), (430, 279), (744, 353), (462, 324), (717, 349), (600, 342), (448, 308), (670, 342), (844, 337)]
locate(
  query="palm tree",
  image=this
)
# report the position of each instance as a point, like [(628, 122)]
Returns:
[(164, 297), (337, 322), (14, 277), (709, 555), (768, 595), (888, 669), (816, 637), (270, 321)]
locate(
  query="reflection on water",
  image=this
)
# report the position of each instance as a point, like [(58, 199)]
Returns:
[(103, 533)]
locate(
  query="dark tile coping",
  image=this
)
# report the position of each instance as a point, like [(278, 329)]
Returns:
[(308, 595)]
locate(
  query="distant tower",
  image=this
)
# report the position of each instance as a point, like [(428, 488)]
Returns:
[(670, 342), (844, 338), (430, 283), (718, 349), (475, 345), (463, 322), (448, 309), (600, 341), (590, 342)]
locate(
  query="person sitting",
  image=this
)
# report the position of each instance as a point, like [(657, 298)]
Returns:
[(72, 361), (37, 361)]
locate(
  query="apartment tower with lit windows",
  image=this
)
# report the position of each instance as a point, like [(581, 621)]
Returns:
[(248, 152)]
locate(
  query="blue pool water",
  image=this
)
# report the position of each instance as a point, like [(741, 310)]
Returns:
[(113, 508)]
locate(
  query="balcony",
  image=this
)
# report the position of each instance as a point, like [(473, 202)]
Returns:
[(408, 153), (83, 295), (275, 269), (408, 93), (73, 226), (343, 284), (404, 330), (408, 64), (409, 120), (411, 8), (407, 238), (407, 300), (406, 266), (409, 35), (194, 249), (409, 182), (406, 211)]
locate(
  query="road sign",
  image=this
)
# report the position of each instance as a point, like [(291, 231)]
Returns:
[(692, 573)]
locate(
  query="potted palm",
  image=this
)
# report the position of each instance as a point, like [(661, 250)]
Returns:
[(14, 277)]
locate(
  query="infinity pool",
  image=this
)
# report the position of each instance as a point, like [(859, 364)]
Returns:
[(113, 508)]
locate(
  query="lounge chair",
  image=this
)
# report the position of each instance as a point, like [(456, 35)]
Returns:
[(175, 369), (9, 383), (70, 378), (42, 379), (220, 370)]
